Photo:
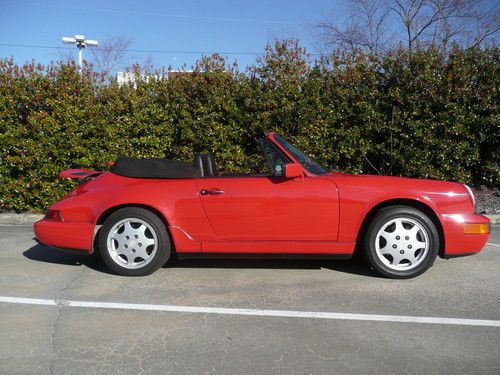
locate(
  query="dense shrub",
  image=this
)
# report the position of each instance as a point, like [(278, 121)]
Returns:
[(420, 115)]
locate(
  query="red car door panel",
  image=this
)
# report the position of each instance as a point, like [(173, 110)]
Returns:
[(271, 208)]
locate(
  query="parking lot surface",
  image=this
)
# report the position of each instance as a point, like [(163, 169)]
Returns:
[(58, 337)]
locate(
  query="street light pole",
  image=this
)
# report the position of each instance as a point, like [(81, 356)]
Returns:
[(81, 42), (80, 56)]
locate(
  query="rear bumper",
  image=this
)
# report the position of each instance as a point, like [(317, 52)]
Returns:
[(456, 241), (65, 235)]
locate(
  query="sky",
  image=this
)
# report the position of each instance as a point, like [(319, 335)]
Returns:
[(240, 27)]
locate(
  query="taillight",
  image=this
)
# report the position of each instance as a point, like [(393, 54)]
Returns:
[(53, 215)]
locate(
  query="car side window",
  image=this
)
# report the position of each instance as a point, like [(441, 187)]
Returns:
[(276, 160)]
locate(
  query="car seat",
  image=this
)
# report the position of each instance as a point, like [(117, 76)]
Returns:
[(206, 164)]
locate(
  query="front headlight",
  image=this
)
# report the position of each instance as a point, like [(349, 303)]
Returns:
[(471, 195)]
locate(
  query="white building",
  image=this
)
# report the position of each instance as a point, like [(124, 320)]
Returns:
[(127, 78)]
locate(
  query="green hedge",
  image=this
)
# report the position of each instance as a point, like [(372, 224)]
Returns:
[(419, 115)]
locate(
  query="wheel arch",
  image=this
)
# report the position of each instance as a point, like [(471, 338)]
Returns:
[(110, 210), (400, 202)]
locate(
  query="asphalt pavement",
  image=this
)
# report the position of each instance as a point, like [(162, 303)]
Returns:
[(62, 313)]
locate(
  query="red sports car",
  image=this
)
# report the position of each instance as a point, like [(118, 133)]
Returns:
[(141, 212)]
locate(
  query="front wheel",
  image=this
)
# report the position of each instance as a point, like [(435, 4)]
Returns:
[(401, 242), (134, 242)]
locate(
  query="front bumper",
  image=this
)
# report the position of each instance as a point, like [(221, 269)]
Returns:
[(456, 241), (66, 235)]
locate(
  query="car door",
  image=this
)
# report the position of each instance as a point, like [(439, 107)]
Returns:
[(270, 208)]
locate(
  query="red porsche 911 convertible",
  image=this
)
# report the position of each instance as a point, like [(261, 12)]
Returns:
[(143, 211)]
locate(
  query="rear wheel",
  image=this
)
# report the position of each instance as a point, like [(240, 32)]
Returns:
[(134, 242), (401, 242)]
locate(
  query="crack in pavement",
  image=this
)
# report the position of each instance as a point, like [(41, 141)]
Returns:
[(53, 327), (320, 356)]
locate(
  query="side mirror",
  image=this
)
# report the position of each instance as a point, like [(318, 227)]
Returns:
[(293, 170)]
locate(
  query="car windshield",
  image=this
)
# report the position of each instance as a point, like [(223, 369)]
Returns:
[(308, 163)]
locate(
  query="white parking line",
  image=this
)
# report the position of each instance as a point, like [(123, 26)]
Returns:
[(492, 244), (253, 312)]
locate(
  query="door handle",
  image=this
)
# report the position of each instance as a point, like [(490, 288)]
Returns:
[(211, 192)]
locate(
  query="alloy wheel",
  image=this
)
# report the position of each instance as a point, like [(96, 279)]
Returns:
[(402, 244), (132, 243)]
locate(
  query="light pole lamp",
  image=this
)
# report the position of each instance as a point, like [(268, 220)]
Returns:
[(81, 42)]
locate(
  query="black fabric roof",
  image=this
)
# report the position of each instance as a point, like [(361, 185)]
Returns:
[(153, 168)]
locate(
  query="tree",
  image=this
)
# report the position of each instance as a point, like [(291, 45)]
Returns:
[(443, 22), (375, 26), (111, 54), (66, 55), (362, 26), (285, 63)]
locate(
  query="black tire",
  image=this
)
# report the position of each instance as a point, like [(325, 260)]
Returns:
[(163, 245), (390, 267)]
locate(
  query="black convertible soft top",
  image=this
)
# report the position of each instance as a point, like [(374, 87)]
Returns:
[(153, 168)]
